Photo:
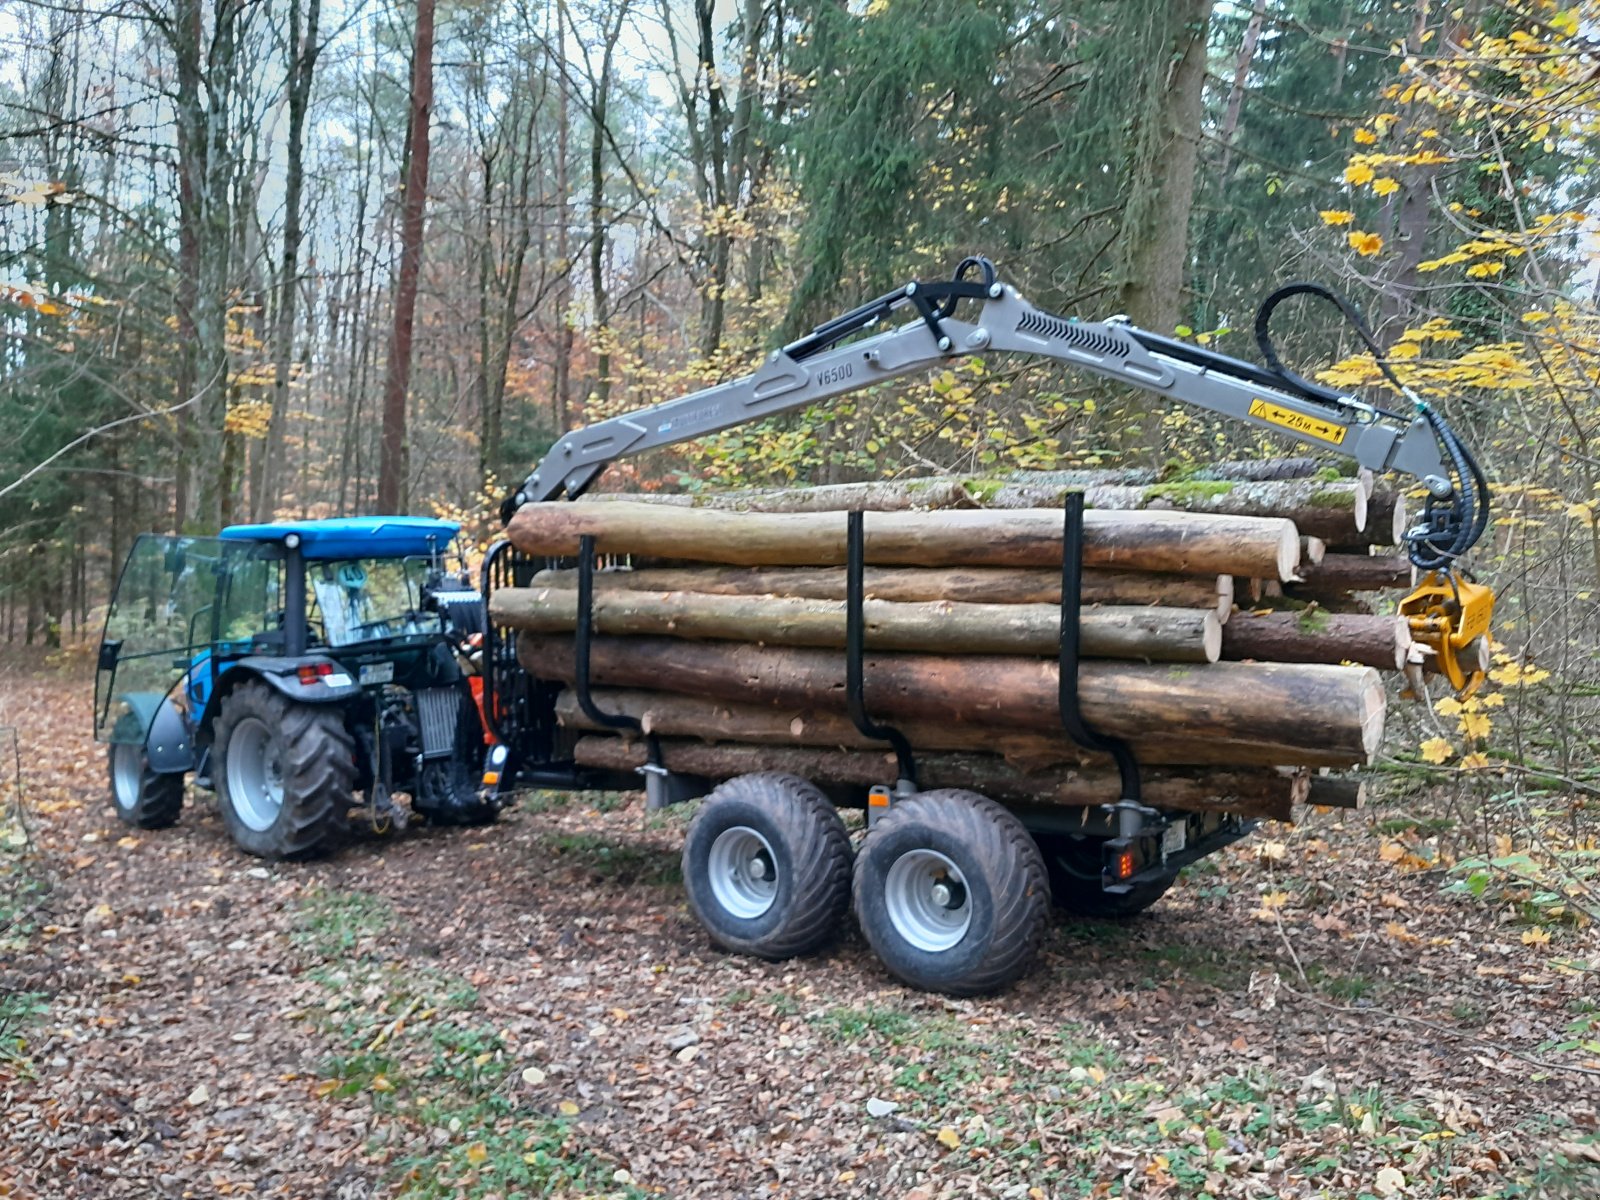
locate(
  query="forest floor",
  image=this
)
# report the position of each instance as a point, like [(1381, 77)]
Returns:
[(529, 1010)]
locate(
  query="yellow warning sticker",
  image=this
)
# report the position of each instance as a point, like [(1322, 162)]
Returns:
[(1276, 414)]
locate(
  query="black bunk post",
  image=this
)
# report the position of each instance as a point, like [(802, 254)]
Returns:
[(854, 641), (1130, 806), (654, 771)]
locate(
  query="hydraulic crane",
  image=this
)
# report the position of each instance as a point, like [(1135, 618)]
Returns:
[(1447, 611)]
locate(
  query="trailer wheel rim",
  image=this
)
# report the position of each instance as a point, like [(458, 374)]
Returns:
[(255, 774), (127, 772), (744, 873), (927, 900)]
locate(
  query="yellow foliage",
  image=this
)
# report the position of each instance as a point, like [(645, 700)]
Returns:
[(1336, 216), (1358, 173), (1365, 244), (1436, 750)]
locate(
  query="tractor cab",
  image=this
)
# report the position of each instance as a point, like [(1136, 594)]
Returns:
[(349, 635)]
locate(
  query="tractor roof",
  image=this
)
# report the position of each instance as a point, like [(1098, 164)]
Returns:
[(354, 537)]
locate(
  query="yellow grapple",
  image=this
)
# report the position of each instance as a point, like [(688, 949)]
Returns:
[(1448, 613)]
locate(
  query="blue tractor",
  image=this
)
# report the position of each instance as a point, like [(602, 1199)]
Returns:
[(306, 672)]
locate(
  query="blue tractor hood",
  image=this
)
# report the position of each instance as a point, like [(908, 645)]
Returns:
[(354, 537)]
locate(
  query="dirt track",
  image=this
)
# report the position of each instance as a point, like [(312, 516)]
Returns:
[(529, 1010)]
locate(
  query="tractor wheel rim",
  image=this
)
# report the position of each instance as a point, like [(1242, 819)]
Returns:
[(127, 771), (255, 774), (927, 900), (744, 873)]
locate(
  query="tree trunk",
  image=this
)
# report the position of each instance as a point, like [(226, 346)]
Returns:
[(992, 585), (303, 51), (1260, 793), (1028, 750), (1314, 636), (1155, 229), (392, 465), (1181, 543), (1340, 709), (881, 495), (1139, 634), (1333, 791), (1336, 512)]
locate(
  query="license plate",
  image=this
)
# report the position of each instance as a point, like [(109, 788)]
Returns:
[(1175, 837), (377, 672)]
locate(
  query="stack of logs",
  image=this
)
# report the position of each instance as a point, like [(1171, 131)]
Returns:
[(1224, 629)]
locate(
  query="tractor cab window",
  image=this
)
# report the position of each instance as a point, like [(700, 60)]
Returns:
[(367, 599), (158, 629), (251, 605)]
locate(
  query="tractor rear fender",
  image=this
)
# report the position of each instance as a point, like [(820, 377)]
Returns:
[(282, 673)]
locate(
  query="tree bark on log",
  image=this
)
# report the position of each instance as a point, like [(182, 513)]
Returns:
[(1139, 634), (1336, 791), (1315, 636), (979, 585), (1184, 544), (668, 715), (1340, 709), (1355, 573), (881, 495), (1261, 793), (1387, 516), (1335, 511)]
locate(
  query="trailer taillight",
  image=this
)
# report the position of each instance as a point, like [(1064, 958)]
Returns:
[(1124, 865)]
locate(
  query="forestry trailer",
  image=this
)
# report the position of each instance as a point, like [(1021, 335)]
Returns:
[(950, 888)]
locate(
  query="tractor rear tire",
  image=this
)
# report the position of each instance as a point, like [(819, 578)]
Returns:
[(285, 772), (766, 865), (951, 892), (142, 797)]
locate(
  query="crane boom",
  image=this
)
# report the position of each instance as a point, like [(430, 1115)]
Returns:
[(828, 363)]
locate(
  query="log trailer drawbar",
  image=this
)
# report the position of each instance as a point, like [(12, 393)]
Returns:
[(950, 889)]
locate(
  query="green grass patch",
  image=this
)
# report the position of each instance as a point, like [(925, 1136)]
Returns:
[(1187, 491), (332, 923), (623, 862), (19, 1012), (450, 1118)]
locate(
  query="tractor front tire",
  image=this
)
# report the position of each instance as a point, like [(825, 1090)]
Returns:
[(285, 772), (142, 797)]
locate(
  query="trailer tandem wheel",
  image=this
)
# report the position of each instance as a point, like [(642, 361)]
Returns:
[(951, 892), (766, 865)]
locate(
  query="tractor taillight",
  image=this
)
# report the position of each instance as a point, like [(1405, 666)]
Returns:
[(313, 672)]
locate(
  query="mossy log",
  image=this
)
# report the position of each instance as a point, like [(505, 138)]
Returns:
[(1333, 510), (879, 495), (1260, 793), (977, 585), (1148, 634), (669, 715), (1340, 709), (1180, 543), (1316, 636)]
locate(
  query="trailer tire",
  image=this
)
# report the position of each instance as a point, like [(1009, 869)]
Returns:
[(285, 772), (1074, 865), (766, 865), (951, 892), (141, 797)]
